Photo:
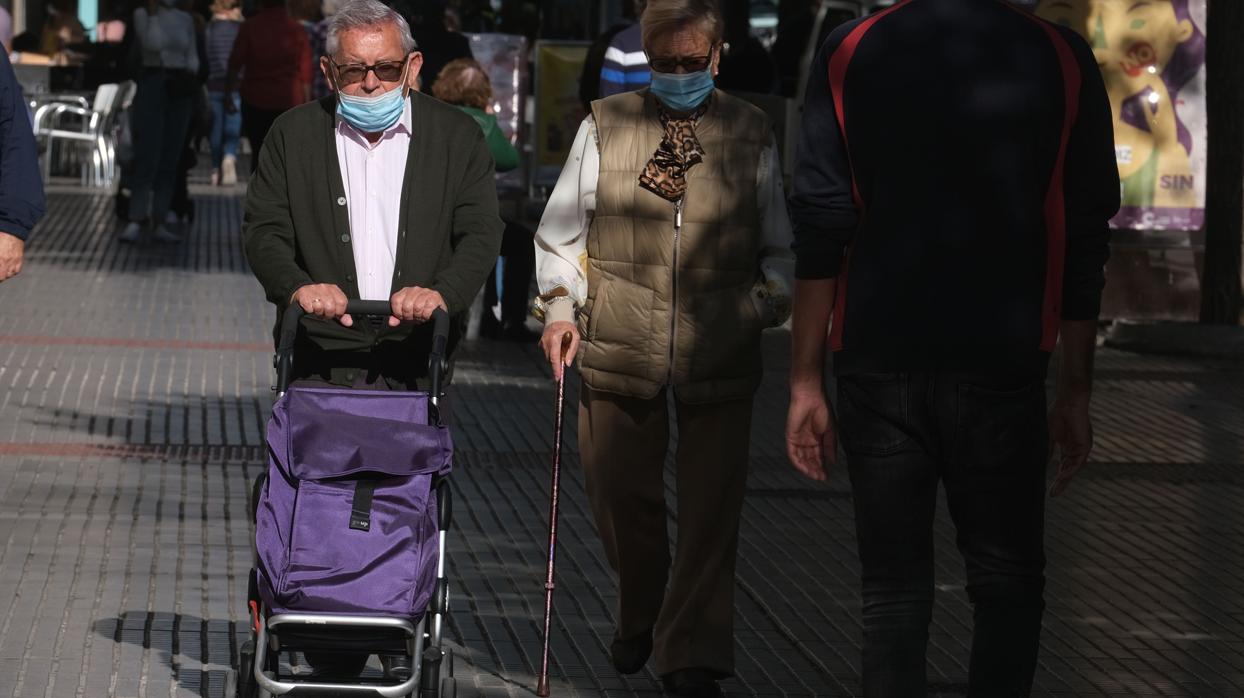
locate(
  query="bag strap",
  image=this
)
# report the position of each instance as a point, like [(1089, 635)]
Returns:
[(360, 506)]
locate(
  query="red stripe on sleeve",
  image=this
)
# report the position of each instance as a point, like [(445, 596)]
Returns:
[(1055, 202), (838, 64)]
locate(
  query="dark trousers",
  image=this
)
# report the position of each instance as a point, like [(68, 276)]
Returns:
[(985, 438), (159, 121), (623, 443), (520, 262), (256, 123)]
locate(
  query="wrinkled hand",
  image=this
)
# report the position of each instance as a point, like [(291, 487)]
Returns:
[(325, 301), (811, 435), (557, 349), (1071, 430), (415, 304), (12, 249)]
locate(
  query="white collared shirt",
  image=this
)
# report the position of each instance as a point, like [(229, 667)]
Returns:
[(373, 175)]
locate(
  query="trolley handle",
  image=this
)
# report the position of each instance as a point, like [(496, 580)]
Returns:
[(284, 359)]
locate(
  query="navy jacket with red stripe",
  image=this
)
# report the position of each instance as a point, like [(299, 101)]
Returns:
[(956, 173)]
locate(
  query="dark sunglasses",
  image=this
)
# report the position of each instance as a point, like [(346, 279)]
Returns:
[(352, 73), (668, 64)]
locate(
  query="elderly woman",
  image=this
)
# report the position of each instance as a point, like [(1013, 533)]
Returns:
[(667, 235)]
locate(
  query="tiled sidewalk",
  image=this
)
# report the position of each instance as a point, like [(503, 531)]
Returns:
[(133, 393)]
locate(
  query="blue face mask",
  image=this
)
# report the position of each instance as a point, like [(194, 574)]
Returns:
[(682, 92), (376, 113)]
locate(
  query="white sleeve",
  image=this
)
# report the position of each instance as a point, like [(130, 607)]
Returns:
[(777, 261), (561, 238)]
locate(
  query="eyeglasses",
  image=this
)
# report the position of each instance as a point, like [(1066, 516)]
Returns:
[(351, 73), (669, 64)]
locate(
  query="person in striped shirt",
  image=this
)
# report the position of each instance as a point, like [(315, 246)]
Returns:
[(626, 67)]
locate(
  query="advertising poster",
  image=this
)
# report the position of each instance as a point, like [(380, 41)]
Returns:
[(1152, 57), (504, 58), (558, 110)]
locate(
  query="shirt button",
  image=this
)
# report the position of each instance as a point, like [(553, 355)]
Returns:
[(341, 201), (349, 277), (345, 237)]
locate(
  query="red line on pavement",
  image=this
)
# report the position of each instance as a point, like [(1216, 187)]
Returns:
[(11, 448), (48, 340), (65, 449)]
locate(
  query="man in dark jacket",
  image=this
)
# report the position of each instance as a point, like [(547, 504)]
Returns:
[(957, 168), (379, 193), (21, 187)]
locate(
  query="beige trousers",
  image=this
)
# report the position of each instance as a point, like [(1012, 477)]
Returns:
[(623, 443)]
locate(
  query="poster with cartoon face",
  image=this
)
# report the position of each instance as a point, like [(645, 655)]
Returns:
[(1152, 56)]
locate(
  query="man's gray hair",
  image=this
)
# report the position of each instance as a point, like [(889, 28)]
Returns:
[(359, 14)]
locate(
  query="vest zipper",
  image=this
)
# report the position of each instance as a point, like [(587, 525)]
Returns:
[(674, 285)]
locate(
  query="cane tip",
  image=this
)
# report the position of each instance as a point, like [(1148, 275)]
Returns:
[(542, 688)]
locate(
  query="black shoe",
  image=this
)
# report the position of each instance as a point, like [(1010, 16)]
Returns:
[(691, 683), (630, 656), (396, 666), (518, 332), (489, 325)]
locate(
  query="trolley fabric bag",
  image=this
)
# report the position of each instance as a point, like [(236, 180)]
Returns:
[(346, 522)]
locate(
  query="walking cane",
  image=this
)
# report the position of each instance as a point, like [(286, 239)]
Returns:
[(542, 687)]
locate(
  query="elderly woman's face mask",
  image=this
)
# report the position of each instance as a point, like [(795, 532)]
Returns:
[(683, 65)]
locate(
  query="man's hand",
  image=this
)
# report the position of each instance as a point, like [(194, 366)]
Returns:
[(11, 250), (811, 436), (230, 104), (556, 350), (415, 304), (325, 301), (1071, 430)]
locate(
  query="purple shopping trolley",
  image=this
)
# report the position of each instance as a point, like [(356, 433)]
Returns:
[(350, 524)]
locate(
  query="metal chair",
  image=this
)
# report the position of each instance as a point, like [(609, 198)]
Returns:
[(90, 131)]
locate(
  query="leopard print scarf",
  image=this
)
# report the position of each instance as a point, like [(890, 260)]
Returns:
[(666, 173)]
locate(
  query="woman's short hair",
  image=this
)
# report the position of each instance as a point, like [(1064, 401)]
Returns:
[(359, 14), (463, 82), (667, 16)]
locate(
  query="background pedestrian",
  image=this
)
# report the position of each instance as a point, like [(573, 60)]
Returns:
[(160, 115), (221, 33)]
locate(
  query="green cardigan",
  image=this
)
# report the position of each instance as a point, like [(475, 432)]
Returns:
[(503, 152), (296, 230)]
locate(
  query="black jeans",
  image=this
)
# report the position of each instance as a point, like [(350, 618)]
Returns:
[(256, 123), (986, 438)]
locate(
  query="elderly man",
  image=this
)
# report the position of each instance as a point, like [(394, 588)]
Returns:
[(376, 192), (21, 188)]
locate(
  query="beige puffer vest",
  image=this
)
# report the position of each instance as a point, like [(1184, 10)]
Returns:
[(671, 305)]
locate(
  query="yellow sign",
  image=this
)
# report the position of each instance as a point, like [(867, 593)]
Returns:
[(558, 110), (1152, 59)]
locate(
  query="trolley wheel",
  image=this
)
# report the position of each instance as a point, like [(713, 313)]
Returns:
[(245, 677), (447, 665)]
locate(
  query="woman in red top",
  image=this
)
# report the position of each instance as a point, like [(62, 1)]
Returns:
[(273, 54)]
